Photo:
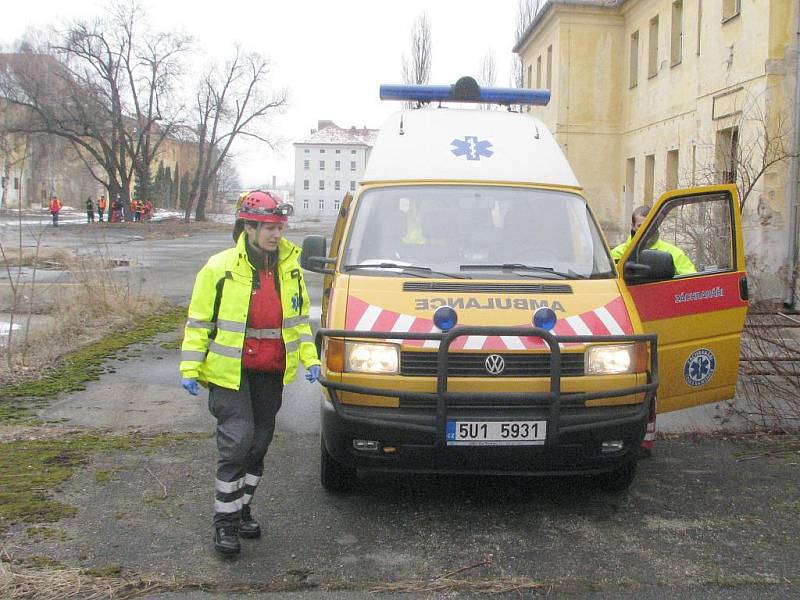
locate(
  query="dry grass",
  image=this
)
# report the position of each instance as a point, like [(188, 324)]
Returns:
[(94, 301), (41, 258), (19, 582)]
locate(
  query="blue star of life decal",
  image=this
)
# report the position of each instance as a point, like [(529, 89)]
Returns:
[(699, 367), (296, 302), (472, 148)]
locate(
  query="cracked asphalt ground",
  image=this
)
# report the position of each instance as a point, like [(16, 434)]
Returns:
[(707, 517)]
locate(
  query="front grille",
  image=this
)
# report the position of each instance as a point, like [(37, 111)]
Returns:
[(423, 364), (488, 288)]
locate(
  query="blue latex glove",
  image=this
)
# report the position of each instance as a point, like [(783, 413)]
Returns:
[(313, 373), (191, 386)]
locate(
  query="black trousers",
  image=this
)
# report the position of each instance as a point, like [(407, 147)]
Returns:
[(245, 426)]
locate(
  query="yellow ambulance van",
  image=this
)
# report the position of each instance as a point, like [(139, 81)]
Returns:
[(474, 320)]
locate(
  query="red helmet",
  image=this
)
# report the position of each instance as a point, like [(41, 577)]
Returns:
[(265, 207)]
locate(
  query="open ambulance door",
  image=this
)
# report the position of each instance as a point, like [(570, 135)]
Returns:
[(336, 242), (698, 312)]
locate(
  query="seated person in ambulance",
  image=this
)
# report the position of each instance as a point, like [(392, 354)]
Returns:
[(683, 265)]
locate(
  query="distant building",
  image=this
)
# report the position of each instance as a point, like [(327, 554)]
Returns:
[(650, 95), (328, 164)]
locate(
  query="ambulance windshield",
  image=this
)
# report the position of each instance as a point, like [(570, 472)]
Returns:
[(485, 231)]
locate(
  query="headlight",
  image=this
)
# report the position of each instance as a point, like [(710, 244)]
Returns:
[(371, 358), (615, 359)]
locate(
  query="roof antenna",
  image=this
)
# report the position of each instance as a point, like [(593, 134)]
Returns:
[(401, 125)]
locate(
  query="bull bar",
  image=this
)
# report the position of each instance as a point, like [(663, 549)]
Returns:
[(437, 424)]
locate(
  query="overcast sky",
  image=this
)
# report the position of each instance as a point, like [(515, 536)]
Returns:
[(331, 55)]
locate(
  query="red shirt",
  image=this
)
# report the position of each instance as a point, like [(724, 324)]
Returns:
[(264, 354)]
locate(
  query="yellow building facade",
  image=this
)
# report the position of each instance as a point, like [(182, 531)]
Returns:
[(650, 95)]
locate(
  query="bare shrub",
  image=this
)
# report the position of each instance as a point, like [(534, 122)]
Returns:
[(769, 373)]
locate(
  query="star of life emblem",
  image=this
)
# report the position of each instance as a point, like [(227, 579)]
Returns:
[(699, 367), (472, 148)]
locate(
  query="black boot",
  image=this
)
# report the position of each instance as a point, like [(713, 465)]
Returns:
[(226, 540), (248, 527)]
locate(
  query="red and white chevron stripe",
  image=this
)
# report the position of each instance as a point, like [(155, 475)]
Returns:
[(611, 319)]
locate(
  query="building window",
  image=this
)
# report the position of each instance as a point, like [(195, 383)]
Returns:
[(727, 154), (321, 205), (338, 151), (730, 8), (321, 185), (539, 72), (305, 184), (336, 185), (634, 62), (672, 170), (322, 165), (352, 151), (337, 165), (335, 205), (305, 204), (649, 174), (16, 183), (549, 67), (352, 165), (352, 186), (652, 55), (306, 164), (676, 39), (306, 150), (322, 150), (530, 77)]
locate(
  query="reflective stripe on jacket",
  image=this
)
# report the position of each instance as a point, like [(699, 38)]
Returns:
[(217, 321)]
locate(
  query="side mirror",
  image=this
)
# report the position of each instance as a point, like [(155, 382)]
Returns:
[(314, 255), (652, 265)]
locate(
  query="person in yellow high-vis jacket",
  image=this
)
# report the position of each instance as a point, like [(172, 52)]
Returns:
[(683, 264), (247, 331)]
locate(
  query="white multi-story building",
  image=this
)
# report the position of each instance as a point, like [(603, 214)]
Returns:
[(328, 164)]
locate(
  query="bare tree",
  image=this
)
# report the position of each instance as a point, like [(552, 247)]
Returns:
[(232, 101), (227, 183), (744, 152), (515, 78), (488, 75), (417, 68), (526, 13), (101, 85)]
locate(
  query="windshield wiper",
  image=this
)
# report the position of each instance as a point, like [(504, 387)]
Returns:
[(415, 270), (517, 267)]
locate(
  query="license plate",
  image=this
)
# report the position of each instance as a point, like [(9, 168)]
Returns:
[(496, 433)]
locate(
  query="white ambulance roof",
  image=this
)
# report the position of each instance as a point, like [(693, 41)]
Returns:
[(467, 145)]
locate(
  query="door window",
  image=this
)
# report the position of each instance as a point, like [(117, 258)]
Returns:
[(697, 231)]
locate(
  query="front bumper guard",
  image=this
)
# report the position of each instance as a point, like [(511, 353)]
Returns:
[(436, 425)]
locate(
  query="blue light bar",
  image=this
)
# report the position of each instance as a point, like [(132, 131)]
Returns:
[(464, 90)]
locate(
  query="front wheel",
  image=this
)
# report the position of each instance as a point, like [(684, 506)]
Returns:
[(335, 477), (618, 480)]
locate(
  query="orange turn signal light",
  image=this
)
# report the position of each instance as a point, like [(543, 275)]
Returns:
[(641, 357), (334, 355)]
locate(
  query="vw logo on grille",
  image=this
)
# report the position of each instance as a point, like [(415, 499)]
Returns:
[(495, 364)]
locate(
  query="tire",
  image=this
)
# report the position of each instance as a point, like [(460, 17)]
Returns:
[(618, 480), (335, 477)]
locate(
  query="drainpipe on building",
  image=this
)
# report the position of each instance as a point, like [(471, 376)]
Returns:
[(789, 298)]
